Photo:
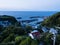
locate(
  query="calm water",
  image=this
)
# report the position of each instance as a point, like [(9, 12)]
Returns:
[(26, 13)]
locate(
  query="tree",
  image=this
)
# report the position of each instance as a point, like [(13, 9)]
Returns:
[(58, 39), (34, 42), (28, 29), (27, 41), (9, 38), (18, 39), (47, 39), (52, 21)]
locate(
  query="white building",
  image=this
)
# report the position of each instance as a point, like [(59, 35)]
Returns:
[(53, 31), (34, 34)]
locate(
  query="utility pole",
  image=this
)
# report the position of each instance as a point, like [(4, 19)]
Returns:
[(54, 39)]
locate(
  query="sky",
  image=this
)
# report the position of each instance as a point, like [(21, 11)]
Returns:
[(29, 5)]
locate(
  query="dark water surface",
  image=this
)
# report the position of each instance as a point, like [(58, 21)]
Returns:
[(26, 14)]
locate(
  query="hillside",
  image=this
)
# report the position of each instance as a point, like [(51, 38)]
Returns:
[(8, 20), (15, 34), (52, 21)]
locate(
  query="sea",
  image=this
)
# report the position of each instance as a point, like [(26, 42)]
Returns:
[(27, 14)]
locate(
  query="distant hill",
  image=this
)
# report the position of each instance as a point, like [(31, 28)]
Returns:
[(7, 20), (52, 21)]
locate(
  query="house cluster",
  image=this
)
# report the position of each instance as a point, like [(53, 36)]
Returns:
[(35, 34), (51, 30)]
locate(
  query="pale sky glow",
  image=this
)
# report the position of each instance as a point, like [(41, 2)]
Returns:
[(30, 5)]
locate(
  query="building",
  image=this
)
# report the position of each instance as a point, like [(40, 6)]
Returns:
[(44, 29), (53, 31), (34, 34)]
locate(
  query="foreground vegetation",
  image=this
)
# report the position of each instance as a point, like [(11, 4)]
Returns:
[(15, 34)]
